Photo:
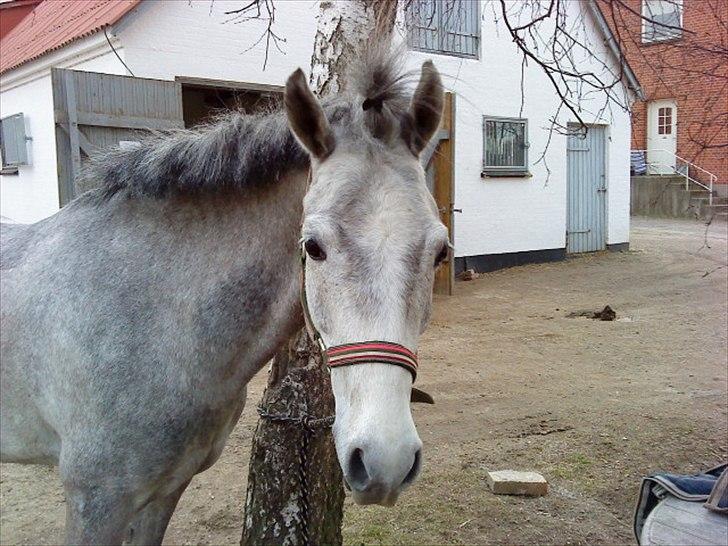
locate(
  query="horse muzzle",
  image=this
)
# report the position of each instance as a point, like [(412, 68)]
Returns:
[(379, 477)]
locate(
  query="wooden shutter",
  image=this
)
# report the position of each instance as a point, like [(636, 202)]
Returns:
[(13, 146)]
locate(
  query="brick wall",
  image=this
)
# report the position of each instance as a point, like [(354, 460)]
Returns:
[(692, 70)]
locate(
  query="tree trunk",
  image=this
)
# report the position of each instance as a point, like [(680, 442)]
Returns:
[(345, 28), (295, 487), (295, 493)]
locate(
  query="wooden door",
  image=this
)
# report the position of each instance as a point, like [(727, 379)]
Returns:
[(586, 189), (441, 172), (661, 136)]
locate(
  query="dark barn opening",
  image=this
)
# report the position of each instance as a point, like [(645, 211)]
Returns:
[(203, 100)]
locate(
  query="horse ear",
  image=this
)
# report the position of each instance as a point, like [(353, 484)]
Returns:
[(426, 109), (306, 117)]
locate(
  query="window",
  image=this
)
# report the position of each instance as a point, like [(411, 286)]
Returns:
[(450, 27), (664, 121), (505, 142), (13, 148), (662, 20)]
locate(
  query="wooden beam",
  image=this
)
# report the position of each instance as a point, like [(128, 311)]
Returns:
[(227, 84), (443, 161), (84, 143), (73, 131), (120, 121)]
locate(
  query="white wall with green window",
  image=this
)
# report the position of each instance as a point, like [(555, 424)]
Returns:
[(510, 170)]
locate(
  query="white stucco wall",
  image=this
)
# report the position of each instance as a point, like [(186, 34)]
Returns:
[(196, 39), (168, 39), (520, 214), (32, 194), (618, 182)]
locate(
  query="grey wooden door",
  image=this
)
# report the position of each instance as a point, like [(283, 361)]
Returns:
[(94, 111), (586, 217)]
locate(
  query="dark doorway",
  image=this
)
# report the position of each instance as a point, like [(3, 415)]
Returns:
[(203, 100)]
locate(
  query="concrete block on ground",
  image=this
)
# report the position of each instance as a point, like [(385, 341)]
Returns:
[(515, 482)]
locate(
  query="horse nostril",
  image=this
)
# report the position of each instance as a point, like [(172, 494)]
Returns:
[(357, 474), (412, 474)]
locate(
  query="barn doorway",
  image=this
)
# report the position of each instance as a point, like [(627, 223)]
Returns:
[(586, 189), (93, 111), (204, 99)]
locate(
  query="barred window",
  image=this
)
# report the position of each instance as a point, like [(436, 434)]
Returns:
[(450, 27), (662, 20), (505, 143)]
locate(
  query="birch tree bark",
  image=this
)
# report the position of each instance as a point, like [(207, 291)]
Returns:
[(295, 493), (295, 487), (344, 28)]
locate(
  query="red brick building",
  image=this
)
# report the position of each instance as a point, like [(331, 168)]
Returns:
[(679, 52)]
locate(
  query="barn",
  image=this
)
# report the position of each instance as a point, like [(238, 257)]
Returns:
[(78, 75)]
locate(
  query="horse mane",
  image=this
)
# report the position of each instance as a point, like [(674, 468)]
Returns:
[(237, 151)]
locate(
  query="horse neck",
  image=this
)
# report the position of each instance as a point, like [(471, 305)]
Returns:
[(241, 270)]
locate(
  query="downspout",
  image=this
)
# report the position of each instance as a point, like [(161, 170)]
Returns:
[(632, 81)]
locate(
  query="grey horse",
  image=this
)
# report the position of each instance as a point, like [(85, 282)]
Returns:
[(133, 319)]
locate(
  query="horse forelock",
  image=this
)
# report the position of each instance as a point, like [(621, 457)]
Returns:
[(381, 91)]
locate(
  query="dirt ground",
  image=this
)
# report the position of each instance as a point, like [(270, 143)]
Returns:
[(518, 385)]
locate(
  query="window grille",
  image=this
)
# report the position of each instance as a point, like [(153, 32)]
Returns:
[(505, 146), (664, 121), (662, 20)]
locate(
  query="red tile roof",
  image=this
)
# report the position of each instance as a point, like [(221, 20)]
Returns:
[(55, 23), (12, 12)]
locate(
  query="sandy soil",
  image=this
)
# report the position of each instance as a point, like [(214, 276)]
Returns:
[(592, 405)]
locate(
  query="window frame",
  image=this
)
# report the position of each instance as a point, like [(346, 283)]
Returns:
[(665, 34), (441, 32), (506, 170), (664, 120)]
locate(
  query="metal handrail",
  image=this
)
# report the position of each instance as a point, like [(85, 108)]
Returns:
[(712, 178)]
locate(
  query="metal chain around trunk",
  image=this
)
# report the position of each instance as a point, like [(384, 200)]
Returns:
[(311, 425)]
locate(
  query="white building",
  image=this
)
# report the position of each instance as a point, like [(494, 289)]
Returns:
[(515, 210)]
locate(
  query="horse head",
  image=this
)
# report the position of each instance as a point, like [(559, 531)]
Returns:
[(372, 240)]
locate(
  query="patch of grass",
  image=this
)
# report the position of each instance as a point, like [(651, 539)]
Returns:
[(572, 467), (435, 514)]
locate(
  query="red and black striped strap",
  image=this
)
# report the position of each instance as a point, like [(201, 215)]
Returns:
[(368, 352)]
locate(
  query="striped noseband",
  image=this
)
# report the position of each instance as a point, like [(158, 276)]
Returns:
[(372, 352)]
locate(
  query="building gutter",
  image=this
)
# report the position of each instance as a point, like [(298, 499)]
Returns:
[(68, 56), (632, 81)]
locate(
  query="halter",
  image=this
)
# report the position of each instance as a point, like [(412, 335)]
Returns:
[(362, 352)]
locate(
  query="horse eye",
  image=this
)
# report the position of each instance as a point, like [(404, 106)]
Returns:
[(314, 250), (442, 256)]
